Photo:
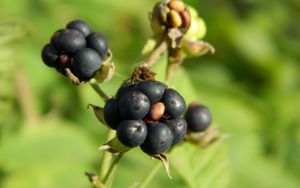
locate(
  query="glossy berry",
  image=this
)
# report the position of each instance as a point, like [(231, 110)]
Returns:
[(124, 89), (134, 105), (50, 55), (55, 35), (198, 117), (85, 63), (178, 128), (69, 41), (154, 90), (174, 103), (132, 133), (80, 26), (159, 139), (97, 42), (111, 113)]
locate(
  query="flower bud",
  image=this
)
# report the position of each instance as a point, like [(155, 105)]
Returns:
[(170, 14)]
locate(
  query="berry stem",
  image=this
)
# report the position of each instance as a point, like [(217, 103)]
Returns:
[(112, 169), (158, 50), (151, 175), (98, 90), (107, 157)]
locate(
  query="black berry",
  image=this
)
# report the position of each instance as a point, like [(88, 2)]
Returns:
[(85, 63), (174, 103), (69, 41), (134, 105), (97, 42), (132, 133), (111, 113), (154, 90), (198, 117), (80, 26), (50, 55), (124, 89), (178, 128), (55, 35), (159, 139)]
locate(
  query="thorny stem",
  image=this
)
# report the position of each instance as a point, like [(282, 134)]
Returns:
[(97, 88), (112, 169), (150, 176)]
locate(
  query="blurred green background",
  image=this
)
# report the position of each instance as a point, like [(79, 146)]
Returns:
[(48, 138)]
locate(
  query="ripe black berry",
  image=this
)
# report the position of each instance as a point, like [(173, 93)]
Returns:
[(178, 128), (97, 42), (174, 103), (124, 89), (50, 55), (198, 117), (80, 26), (154, 90), (134, 105), (159, 139), (111, 113), (69, 41), (55, 35), (85, 63), (132, 133)]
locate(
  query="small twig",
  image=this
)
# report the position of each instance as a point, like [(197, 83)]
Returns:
[(111, 172), (95, 180), (151, 175), (158, 50), (72, 77), (97, 88)]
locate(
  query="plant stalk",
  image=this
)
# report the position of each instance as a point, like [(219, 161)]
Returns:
[(151, 175)]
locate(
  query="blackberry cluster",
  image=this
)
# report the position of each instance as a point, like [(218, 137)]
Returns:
[(147, 114), (198, 117), (77, 48)]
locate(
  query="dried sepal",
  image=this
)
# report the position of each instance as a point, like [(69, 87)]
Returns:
[(207, 138), (74, 79), (197, 48), (98, 111), (165, 161), (114, 146), (94, 179)]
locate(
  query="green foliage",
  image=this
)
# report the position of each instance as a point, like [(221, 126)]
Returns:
[(251, 85)]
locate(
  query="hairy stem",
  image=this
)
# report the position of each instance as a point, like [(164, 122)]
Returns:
[(150, 176)]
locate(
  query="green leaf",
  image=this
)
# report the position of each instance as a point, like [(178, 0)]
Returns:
[(201, 167), (50, 156)]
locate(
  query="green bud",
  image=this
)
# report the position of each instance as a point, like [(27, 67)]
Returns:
[(197, 30)]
